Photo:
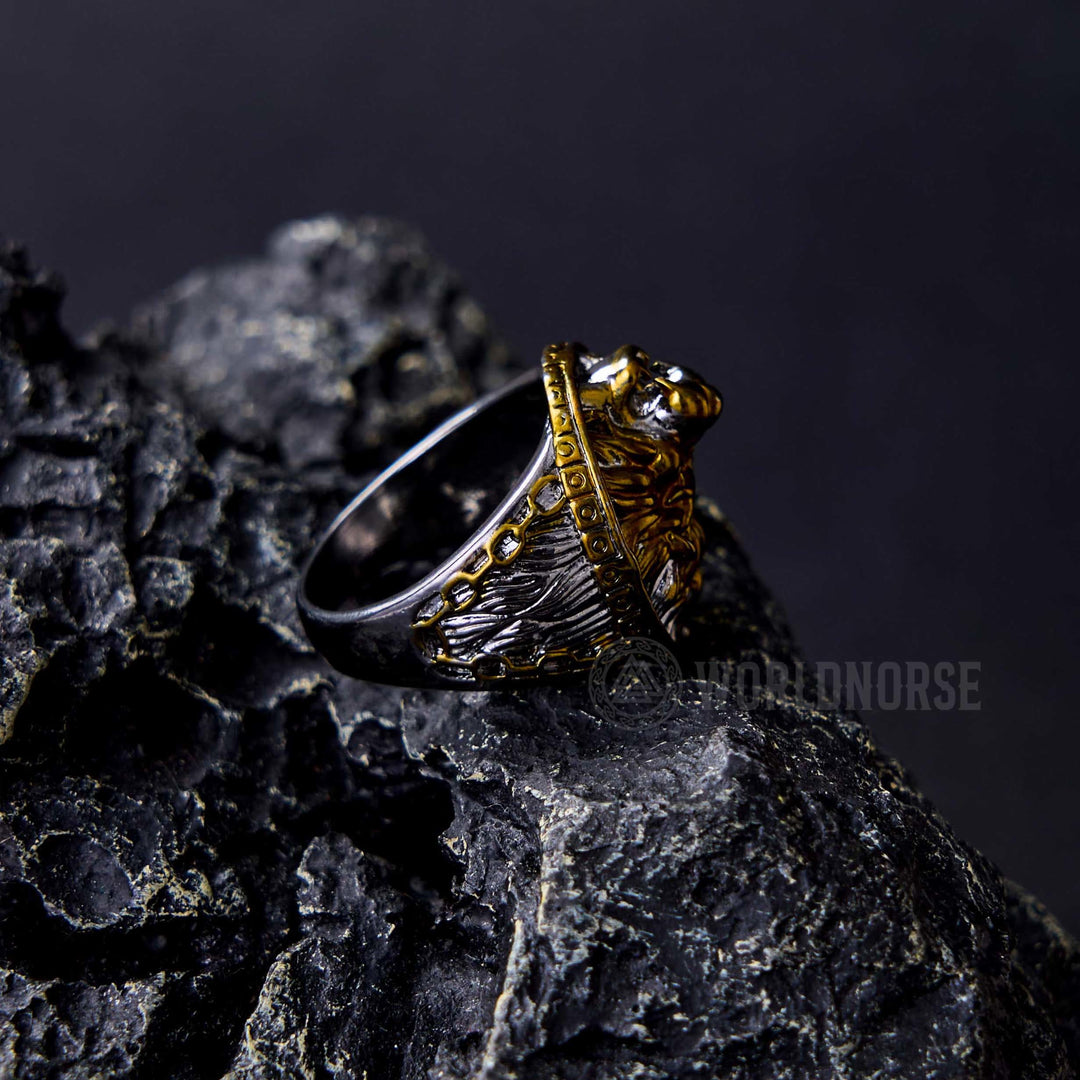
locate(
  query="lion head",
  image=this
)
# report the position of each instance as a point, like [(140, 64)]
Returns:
[(643, 418)]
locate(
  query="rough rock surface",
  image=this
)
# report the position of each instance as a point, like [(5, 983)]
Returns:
[(218, 858)]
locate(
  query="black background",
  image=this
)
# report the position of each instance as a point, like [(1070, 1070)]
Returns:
[(860, 220)]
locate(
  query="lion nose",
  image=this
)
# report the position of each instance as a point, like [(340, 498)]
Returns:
[(693, 406), (699, 402)]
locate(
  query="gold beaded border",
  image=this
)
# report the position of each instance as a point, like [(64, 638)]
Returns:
[(613, 563)]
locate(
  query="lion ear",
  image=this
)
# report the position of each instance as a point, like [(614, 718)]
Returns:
[(629, 367), (596, 369), (629, 353)]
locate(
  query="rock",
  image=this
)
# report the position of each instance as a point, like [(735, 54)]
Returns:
[(346, 338), (219, 858)]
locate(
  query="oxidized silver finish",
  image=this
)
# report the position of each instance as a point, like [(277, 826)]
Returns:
[(593, 541)]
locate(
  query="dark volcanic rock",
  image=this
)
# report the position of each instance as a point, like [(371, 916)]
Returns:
[(219, 858)]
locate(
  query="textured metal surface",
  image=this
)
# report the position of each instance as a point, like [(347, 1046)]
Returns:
[(544, 603)]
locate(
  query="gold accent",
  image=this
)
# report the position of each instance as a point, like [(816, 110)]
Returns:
[(644, 459), (622, 431)]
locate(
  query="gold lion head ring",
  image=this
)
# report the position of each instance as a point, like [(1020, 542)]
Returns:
[(482, 558)]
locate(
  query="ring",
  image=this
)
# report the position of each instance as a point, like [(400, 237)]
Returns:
[(524, 535)]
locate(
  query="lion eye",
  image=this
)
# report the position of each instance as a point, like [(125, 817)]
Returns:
[(668, 372)]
